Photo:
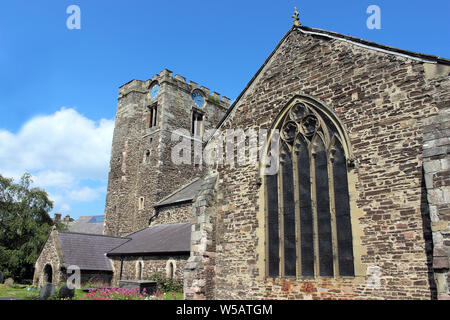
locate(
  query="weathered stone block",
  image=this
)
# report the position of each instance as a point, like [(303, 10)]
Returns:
[(47, 291), (441, 263)]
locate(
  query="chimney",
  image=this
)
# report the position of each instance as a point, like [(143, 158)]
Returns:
[(57, 217)]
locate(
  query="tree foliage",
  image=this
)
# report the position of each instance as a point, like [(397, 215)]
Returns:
[(25, 224)]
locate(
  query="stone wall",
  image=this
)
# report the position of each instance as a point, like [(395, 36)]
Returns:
[(150, 266), (51, 254), (176, 213), (382, 101), (200, 270), (436, 164), (131, 176)]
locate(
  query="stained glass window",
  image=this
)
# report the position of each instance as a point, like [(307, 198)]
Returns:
[(309, 230)]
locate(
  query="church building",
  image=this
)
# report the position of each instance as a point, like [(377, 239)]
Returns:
[(347, 197)]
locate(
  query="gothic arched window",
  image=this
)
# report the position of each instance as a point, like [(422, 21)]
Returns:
[(309, 230)]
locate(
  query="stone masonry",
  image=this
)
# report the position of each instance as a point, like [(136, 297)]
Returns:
[(436, 164), (200, 270), (385, 101), (130, 177), (150, 266), (51, 255), (394, 109)]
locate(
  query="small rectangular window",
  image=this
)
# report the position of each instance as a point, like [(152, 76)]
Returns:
[(197, 124), (141, 203), (152, 118)]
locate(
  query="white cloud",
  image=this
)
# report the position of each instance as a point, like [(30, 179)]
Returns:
[(50, 178), (65, 141), (64, 152), (86, 194), (64, 208)]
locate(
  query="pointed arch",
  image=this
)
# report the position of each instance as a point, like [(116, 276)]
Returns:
[(308, 220)]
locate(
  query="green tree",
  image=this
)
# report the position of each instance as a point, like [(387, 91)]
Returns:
[(24, 226)]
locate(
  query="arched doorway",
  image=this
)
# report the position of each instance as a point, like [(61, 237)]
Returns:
[(48, 274)]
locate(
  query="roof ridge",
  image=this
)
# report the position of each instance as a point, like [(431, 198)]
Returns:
[(330, 34), (374, 45), (92, 234)]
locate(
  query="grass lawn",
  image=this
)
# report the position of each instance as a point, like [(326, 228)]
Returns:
[(173, 296), (23, 293)]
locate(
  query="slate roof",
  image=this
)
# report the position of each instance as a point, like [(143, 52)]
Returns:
[(186, 193), (87, 224), (88, 251), (166, 238)]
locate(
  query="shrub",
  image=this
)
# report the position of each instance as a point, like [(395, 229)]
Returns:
[(167, 284), (116, 294), (94, 285), (66, 293)]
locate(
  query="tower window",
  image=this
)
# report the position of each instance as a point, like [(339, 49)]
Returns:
[(154, 91), (152, 116), (147, 157), (197, 124), (141, 203), (307, 201)]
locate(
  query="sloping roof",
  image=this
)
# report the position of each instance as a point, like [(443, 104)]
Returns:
[(167, 238), (332, 35), (186, 193), (87, 224), (373, 45), (88, 251)]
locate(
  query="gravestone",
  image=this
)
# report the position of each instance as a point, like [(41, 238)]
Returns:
[(150, 287), (2, 278), (47, 291), (9, 282), (65, 292)]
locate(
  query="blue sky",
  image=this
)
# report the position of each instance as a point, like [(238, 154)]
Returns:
[(59, 87)]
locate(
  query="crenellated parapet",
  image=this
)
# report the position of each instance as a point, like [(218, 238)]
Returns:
[(141, 168)]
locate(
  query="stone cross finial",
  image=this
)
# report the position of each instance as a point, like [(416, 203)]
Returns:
[(296, 19)]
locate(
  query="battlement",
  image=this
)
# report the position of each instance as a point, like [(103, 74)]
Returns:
[(167, 76)]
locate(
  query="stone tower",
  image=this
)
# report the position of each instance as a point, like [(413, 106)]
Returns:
[(141, 168)]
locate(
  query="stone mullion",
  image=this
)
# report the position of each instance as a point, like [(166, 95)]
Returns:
[(312, 169), (281, 219), (333, 216), (298, 246), (266, 229)]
